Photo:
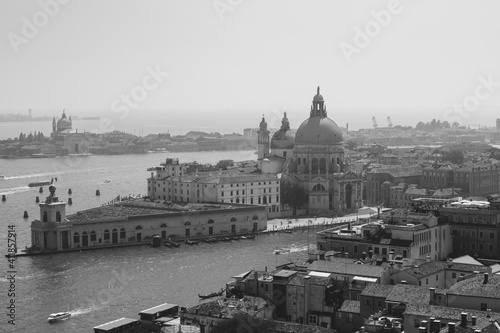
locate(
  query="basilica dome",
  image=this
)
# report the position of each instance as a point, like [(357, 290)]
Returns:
[(284, 138), (64, 123), (318, 128)]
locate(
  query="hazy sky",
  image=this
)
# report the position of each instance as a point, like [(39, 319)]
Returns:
[(222, 64)]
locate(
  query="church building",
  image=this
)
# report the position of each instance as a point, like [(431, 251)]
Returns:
[(313, 157)]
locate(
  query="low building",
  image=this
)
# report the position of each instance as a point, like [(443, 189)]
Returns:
[(136, 221)]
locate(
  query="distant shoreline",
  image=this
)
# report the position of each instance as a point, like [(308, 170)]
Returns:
[(39, 119)]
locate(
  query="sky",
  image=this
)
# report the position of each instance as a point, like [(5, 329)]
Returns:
[(219, 65)]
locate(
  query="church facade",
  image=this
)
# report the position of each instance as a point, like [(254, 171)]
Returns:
[(64, 136), (313, 157)]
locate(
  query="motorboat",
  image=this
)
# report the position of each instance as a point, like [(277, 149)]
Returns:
[(36, 184), (53, 317), (107, 181)]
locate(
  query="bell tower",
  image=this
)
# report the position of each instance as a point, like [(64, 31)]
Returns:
[(263, 142)]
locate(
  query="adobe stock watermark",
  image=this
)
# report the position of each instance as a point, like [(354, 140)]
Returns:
[(138, 93), (462, 111), (31, 27), (115, 286), (223, 6), (373, 28)]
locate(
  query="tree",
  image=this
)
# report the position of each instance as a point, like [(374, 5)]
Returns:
[(454, 156), (224, 164), (291, 193)]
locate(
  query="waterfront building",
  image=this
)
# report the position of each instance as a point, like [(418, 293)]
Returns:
[(314, 158), (183, 182), (136, 221), (398, 233)]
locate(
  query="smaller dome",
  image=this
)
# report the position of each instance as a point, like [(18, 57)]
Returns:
[(63, 123), (283, 140)]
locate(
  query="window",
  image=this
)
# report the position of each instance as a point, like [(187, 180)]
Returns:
[(313, 319), (106, 234), (377, 250), (76, 238), (367, 302), (492, 235), (472, 246), (454, 275), (480, 234), (123, 233), (481, 247), (490, 248), (379, 304), (484, 306), (355, 249), (349, 317), (93, 236)]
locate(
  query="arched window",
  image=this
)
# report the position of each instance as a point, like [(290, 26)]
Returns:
[(322, 165), (76, 238), (138, 227), (314, 165), (264, 200), (58, 216), (237, 200), (210, 221), (123, 233), (44, 216), (106, 234), (255, 217), (233, 219), (163, 225), (187, 223), (318, 187), (93, 236)]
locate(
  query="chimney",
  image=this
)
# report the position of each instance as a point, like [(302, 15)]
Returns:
[(477, 330), (486, 275), (346, 255), (432, 295), (415, 269), (391, 255), (403, 281), (427, 258), (421, 329), (437, 326), (430, 323), (370, 254), (451, 327), (424, 324), (362, 329), (364, 255), (256, 277), (463, 319), (473, 320)]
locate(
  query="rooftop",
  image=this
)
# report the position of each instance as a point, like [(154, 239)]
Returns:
[(377, 290), (350, 306), (128, 210), (405, 293), (347, 269), (476, 286)]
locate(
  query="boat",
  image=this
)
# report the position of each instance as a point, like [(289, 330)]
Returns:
[(191, 242), (287, 231), (250, 237), (2, 177), (214, 294), (280, 251), (170, 243), (107, 181), (53, 317), (36, 184)]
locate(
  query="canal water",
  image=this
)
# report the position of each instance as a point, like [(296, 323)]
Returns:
[(103, 285)]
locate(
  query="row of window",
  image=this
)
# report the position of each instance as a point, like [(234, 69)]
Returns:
[(473, 246), (473, 234), (93, 235)]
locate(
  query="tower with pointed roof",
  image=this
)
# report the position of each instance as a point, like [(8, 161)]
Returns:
[(263, 142)]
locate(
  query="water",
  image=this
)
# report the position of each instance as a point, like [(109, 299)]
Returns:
[(103, 285)]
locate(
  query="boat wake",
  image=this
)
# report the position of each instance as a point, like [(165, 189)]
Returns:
[(32, 175), (78, 312), (12, 190)]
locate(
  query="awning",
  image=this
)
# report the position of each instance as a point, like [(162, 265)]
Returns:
[(320, 274), (365, 279)]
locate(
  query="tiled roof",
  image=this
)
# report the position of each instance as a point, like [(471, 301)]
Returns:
[(227, 308), (377, 290), (432, 267), (408, 294), (476, 287), (447, 313), (347, 269), (350, 306)]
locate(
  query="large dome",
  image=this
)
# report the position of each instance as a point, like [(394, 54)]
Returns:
[(64, 123), (318, 130)]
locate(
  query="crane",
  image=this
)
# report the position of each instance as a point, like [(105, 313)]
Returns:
[(374, 121), (389, 122)]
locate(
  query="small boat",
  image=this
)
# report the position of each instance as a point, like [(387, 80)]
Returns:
[(280, 251), (107, 181), (250, 237), (287, 231), (53, 317), (2, 177), (170, 243), (214, 294), (36, 184), (191, 242)]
